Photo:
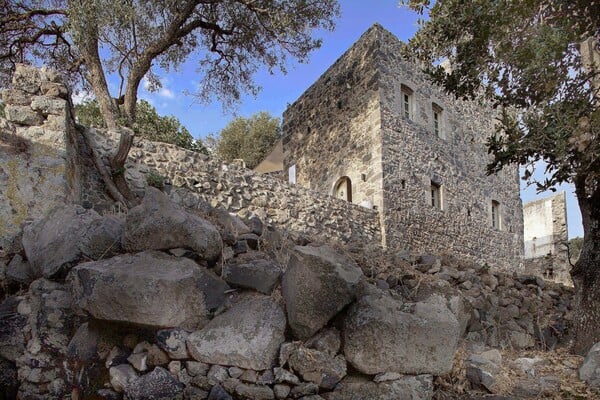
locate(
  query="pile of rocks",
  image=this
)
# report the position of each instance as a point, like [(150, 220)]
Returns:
[(162, 303)]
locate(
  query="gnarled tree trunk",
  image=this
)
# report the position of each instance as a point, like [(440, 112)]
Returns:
[(586, 273)]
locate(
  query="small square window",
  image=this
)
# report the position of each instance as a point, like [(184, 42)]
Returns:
[(436, 195)]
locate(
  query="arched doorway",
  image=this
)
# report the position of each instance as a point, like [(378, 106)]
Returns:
[(343, 189)]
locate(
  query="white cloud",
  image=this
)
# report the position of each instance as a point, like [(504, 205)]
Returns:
[(81, 96), (166, 92)]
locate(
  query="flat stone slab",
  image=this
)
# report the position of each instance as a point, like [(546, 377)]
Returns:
[(149, 288), (383, 334), (318, 283), (247, 336)]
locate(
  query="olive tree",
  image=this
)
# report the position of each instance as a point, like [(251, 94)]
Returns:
[(230, 39), (249, 139), (534, 60)]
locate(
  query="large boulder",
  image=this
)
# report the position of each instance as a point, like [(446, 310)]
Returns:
[(248, 335), (319, 283), (590, 369), (58, 241), (160, 224), (383, 334), (418, 387), (149, 288)]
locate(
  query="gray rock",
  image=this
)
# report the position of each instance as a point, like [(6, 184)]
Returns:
[(217, 374), (84, 344), (248, 376), (418, 387), (23, 115), (19, 270), (218, 393), (259, 275), (327, 340), (173, 342), (193, 393), (149, 288), (285, 376), (121, 376), (254, 392), (318, 367), (281, 391), (103, 237), (377, 324), (54, 243), (590, 369), (160, 224), (46, 105), (304, 389), (139, 361), (27, 78), (195, 368), (318, 283), (247, 336), (158, 384)]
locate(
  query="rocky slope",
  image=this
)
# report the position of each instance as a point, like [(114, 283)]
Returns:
[(163, 303)]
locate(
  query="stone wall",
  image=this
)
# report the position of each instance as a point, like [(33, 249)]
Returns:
[(545, 237), (332, 130), (351, 123), (193, 178), (38, 151), (455, 159)]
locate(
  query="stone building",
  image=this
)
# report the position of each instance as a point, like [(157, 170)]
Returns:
[(545, 238), (374, 131)]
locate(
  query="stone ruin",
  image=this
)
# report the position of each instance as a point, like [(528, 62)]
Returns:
[(227, 285)]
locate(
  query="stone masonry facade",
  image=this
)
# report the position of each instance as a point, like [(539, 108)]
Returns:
[(373, 125)]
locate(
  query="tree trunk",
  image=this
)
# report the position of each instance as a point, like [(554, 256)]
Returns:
[(586, 274)]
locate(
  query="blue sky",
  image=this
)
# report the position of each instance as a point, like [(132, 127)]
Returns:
[(278, 90)]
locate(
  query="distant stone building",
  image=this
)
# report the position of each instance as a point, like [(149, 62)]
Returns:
[(545, 238), (374, 131)]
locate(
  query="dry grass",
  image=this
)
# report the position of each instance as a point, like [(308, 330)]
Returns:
[(558, 364)]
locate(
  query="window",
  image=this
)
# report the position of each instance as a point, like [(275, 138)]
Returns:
[(436, 195), (437, 120), (407, 95), (292, 174), (495, 214)]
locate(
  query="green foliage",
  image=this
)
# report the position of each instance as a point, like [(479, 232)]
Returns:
[(156, 180), (524, 57), (149, 125), (249, 139), (575, 246)]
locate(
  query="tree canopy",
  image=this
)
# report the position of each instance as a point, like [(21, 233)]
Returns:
[(250, 139), (148, 124), (534, 61), (230, 39)]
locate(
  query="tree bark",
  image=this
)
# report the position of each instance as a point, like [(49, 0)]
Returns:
[(586, 273)]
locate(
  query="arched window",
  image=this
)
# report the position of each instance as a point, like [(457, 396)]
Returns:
[(343, 189)]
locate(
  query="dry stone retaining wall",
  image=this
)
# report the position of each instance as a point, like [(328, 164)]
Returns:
[(192, 178), (38, 151)]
